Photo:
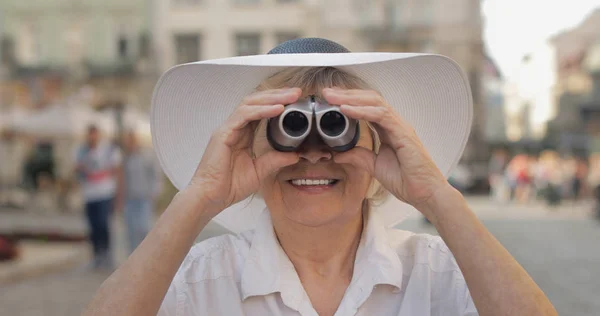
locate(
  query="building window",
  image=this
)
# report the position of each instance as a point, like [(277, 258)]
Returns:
[(247, 44), (29, 45), (281, 37), (7, 50), (144, 45), (186, 2), (123, 47), (187, 48), (74, 42)]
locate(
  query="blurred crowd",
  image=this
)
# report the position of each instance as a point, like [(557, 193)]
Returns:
[(547, 176)]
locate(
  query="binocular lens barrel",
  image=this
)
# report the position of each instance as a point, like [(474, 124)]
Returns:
[(333, 123), (288, 131), (295, 123)]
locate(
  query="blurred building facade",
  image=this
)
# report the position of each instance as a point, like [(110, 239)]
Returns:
[(494, 91), (102, 43), (577, 89), (449, 27), (590, 107), (118, 47), (190, 30)]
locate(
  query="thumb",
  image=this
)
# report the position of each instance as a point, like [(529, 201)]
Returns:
[(358, 157), (273, 161)]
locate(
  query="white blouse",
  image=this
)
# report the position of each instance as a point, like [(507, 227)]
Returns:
[(395, 273)]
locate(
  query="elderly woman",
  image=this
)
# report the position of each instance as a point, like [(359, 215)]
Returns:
[(324, 244)]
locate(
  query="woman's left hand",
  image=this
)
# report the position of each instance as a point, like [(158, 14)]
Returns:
[(402, 165)]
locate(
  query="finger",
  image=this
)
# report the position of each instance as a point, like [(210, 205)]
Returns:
[(392, 129), (353, 97), (232, 132), (272, 161), (246, 114), (280, 96), (367, 113), (358, 157)]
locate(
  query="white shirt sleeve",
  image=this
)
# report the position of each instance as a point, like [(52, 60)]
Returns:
[(467, 300), (450, 294)]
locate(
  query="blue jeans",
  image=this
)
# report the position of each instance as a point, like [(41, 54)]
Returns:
[(138, 218), (98, 216)]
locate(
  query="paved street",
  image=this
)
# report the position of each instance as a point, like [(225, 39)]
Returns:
[(558, 247), (562, 256)]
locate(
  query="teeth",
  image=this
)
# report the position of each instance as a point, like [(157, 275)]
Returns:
[(312, 182)]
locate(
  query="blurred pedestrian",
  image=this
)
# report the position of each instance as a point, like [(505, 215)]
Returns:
[(520, 179), (141, 184), (569, 169), (97, 167), (594, 180), (579, 181), (551, 177), (499, 190)]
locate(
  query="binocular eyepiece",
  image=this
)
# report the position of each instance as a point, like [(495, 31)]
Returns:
[(289, 130)]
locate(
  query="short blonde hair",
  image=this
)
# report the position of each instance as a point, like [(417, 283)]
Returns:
[(312, 80)]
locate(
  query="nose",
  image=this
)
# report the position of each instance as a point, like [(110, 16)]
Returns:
[(314, 150)]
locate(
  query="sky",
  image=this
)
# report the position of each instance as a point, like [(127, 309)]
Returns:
[(513, 28)]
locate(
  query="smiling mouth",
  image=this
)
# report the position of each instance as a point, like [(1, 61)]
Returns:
[(313, 182)]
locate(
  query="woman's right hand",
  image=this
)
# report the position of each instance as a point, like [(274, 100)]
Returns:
[(228, 173)]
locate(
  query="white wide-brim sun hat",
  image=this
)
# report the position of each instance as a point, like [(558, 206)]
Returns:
[(192, 100)]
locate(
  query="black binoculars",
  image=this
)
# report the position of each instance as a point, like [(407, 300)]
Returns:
[(289, 130)]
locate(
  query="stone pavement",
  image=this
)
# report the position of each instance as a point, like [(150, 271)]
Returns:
[(20, 220), (62, 294), (562, 256), (486, 209), (37, 258), (558, 247)]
